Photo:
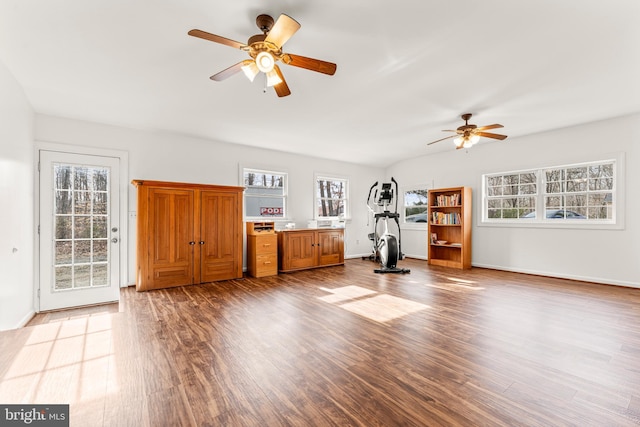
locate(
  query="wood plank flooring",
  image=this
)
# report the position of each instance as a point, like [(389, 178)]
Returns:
[(340, 346)]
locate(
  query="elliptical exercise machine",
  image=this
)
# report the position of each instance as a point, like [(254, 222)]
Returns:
[(386, 247)]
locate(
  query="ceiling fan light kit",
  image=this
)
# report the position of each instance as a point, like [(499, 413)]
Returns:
[(265, 61), (266, 50), (250, 69), (468, 135)]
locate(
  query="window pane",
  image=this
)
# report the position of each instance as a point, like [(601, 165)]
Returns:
[(81, 178), (100, 179), (82, 251), (264, 183), (601, 184), (63, 201), (528, 189), (555, 187), (528, 178), (82, 276), (330, 208), (82, 202), (331, 197), (495, 191), (100, 203), (576, 200), (576, 186), (62, 177), (264, 206), (63, 227), (99, 227), (64, 252), (100, 253), (100, 275), (330, 189), (82, 227), (553, 202), (62, 279), (494, 181), (265, 193), (415, 205), (576, 174), (494, 203)]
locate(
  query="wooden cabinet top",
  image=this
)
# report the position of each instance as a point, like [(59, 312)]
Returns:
[(294, 230), (168, 184)]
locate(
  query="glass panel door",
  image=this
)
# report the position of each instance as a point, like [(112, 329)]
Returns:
[(79, 237)]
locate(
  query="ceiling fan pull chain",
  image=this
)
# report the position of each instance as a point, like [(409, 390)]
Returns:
[(264, 90)]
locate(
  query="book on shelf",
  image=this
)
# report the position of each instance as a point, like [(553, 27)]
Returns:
[(448, 200), (443, 218)]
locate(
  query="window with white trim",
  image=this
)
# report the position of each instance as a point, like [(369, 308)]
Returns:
[(583, 193), (511, 195), (265, 194), (331, 197), (415, 201)]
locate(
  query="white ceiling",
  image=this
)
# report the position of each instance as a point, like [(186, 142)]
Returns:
[(406, 69)]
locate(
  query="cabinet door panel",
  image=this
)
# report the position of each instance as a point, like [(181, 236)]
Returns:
[(171, 229), (219, 230), (301, 250), (331, 247)]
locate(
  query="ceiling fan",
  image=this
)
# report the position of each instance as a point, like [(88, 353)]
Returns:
[(265, 50), (467, 135)]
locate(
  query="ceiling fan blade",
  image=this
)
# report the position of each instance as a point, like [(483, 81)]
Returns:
[(442, 139), (310, 64), (282, 30), (218, 39), (282, 89), (491, 135), (481, 128), (226, 73)]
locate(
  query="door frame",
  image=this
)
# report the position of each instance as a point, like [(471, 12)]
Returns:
[(123, 193)]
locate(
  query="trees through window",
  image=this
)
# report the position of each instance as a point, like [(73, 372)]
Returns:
[(332, 195), (584, 192)]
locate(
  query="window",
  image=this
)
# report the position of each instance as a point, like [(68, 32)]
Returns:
[(511, 195), (265, 194), (562, 194), (331, 197), (415, 205)]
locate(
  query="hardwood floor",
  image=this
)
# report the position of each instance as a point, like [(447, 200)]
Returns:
[(340, 346)]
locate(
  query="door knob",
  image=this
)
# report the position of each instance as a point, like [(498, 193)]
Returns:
[(114, 240)]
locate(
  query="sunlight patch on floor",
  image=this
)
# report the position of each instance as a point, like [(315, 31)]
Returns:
[(345, 293), (379, 308), (62, 362), (455, 284), (383, 308)]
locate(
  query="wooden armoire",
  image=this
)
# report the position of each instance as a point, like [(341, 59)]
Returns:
[(187, 234)]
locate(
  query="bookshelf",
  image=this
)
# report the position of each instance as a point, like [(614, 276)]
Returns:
[(449, 231)]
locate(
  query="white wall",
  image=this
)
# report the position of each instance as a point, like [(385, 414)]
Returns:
[(606, 256), (173, 157), (16, 214)]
